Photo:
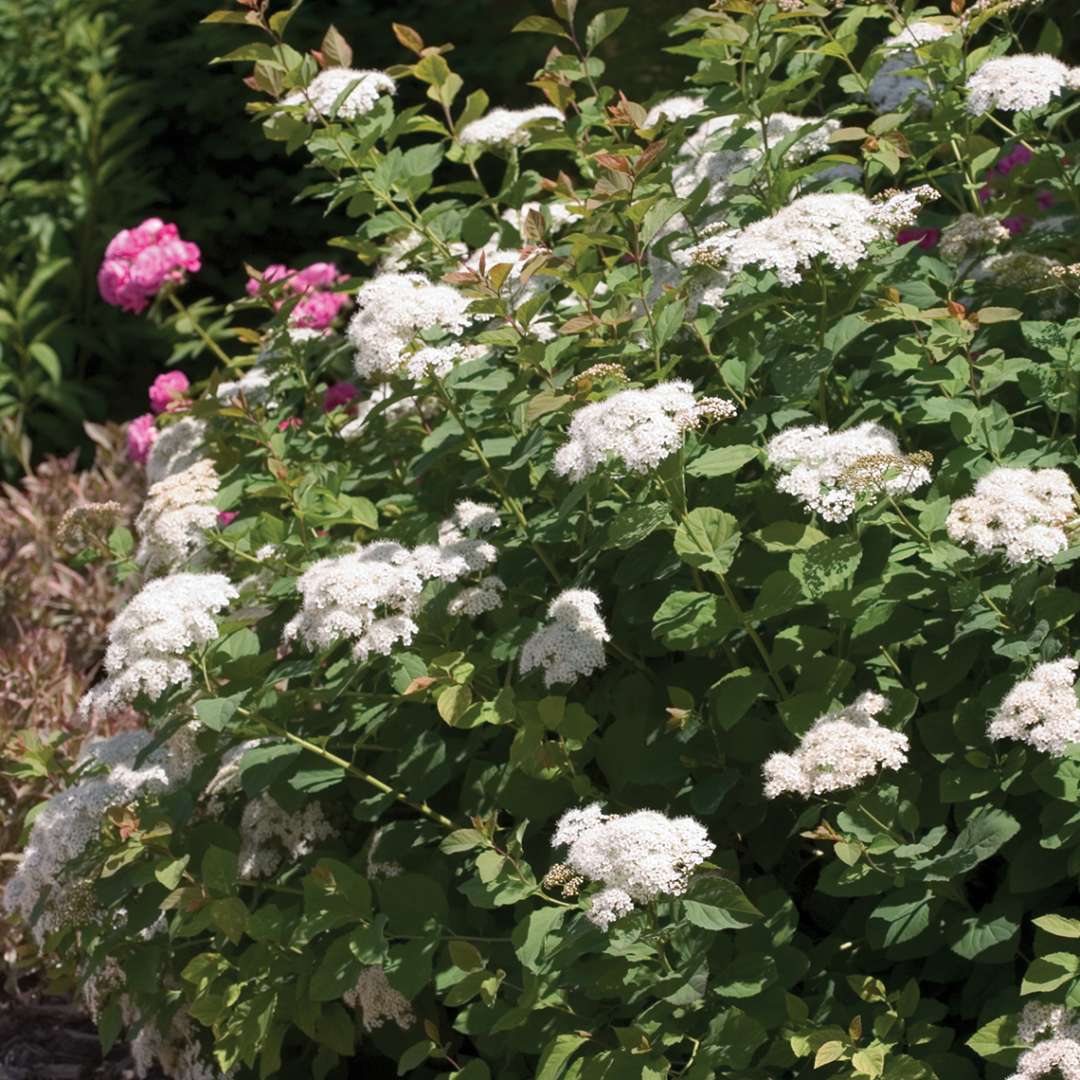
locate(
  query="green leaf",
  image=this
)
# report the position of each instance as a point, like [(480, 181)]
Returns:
[(230, 916), (788, 536), (556, 1054), (900, 917), (826, 566), (453, 703), (745, 976), (46, 358), (690, 620), (171, 873), (465, 955), (721, 462), (732, 695), (336, 1029), (215, 713), (984, 833), (540, 24), (997, 1041), (708, 539), (1046, 973), (715, 903), (336, 972), (636, 523), (983, 933), (603, 26), (1058, 925)]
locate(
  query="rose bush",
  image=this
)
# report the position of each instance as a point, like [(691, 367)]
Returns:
[(639, 644)]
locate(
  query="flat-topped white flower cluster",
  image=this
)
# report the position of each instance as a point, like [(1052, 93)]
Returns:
[(364, 88), (1053, 1034), (837, 227), (72, 819), (176, 516), (391, 310), (637, 857), (637, 428), (821, 467), (841, 750), (571, 645), (1019, 82), (369, 596), (148, 640), (1041, 710), (1023, 513), (505, 127)]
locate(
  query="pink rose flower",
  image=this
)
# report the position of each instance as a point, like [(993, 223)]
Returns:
[(319, 304), (339, 394), (227, 517), (142, 433), (927, 238), (139, 261), (167, 392)]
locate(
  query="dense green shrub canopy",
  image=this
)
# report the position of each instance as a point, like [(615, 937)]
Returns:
[(639, 643)]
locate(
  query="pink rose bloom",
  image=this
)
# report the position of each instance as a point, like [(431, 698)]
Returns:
[(337, 395), (167, 391), (1016, 224), (227, 517), (317, 310), (927, 238), (139, 261), (319, 305), (142, 433)]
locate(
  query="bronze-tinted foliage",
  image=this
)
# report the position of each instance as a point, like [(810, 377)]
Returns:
[(53, 618)]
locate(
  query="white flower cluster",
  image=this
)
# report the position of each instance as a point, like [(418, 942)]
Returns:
[(149, 637), (697, 162), (392, 413), (175, 517), (1041, 710), (1023, 512), (894, 85), (637, 857), (970, 233), (269, 834), (369, 596), (485, 595), (1054, 1037), (391, 309), (820, 466), (572, 644), (840, 750), (679, 107), (556, 214), (176, 448), (1016, 270), (377, 1001), (506, 127), (256, 386), (1017, 83), (178, 1053), (638, 427), (72, 819), (838, 227), (329, 85)]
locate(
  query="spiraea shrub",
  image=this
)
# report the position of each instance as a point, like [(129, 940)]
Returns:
[(615, 619)]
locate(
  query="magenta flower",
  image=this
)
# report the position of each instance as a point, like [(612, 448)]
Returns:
[(142, 433), (986, 193), (1045, 199), (1017, 157), (1016, 224), (227, 517), (290, 422), (339, 394), (319, 304), (927, 238), (167, 392), (139, 261)]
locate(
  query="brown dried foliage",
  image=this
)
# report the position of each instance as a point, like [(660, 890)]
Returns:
[(53, 618)]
